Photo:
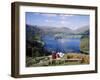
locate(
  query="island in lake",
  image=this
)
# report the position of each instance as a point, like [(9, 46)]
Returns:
[(56, 45)]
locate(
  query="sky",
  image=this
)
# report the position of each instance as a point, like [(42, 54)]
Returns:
[(71, 21)]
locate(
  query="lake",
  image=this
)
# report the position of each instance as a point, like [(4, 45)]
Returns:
[(62, 44)]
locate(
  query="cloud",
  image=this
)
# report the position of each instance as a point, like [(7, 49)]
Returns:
[(62, 22), (69, 15), (48, 15), (55, 15), (47, 20), (65, 16)]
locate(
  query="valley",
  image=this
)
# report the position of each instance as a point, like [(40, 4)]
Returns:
[(42, 40)]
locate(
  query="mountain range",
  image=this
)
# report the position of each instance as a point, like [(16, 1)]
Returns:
[(56, 30)]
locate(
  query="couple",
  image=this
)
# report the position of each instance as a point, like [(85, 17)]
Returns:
[(56, 55)]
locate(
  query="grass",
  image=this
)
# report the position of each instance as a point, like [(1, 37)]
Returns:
[(84, 58), (47, 61), (84, 46)]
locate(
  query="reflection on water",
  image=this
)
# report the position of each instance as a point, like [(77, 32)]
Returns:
[(61, 45)]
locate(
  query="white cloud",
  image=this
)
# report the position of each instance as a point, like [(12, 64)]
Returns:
[(47, 20), (49, 15), (65, 16), (68, 15), (54, 15), (63, 22)]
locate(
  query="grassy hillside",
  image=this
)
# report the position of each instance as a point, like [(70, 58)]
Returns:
[(84, 46), (65, 60)]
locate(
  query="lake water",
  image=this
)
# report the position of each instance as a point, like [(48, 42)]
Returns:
[(61, 45)]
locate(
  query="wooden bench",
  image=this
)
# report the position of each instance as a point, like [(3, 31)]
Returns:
[(66, 60), (73, 60)]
